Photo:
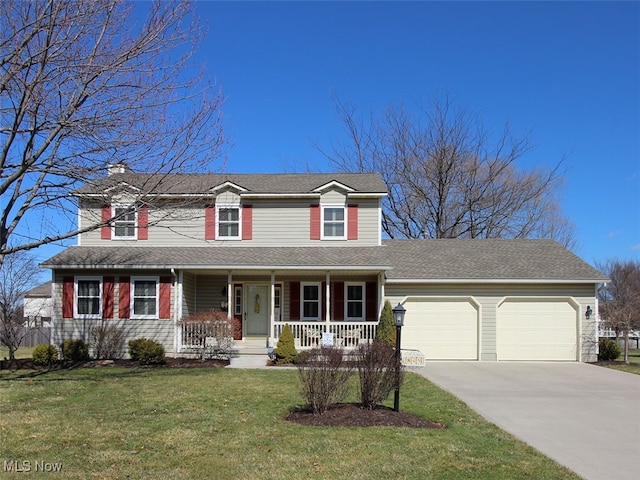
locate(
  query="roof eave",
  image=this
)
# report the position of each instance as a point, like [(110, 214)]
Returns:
[(496, 281)]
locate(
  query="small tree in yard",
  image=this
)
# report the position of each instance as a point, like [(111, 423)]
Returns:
[(386, 331), (286, 349), (378, 372), (18, 274), (324, 375)]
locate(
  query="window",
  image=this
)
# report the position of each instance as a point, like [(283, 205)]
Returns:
[(333, 222), (354, 297), (144, 297), (277, 300), (228, 222), (124, 225), (88, 302), (310, 301), (237, 310)]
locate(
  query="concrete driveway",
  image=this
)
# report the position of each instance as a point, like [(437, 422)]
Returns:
[(583, 416)]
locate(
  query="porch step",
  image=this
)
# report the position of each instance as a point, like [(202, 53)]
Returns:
[(249, 354)]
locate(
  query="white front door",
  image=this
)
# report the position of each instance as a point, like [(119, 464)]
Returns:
[(257, 310)]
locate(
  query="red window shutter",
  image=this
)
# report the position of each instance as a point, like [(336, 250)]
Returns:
[(143, 222), (371, 303), (67, 297), (294, 301), (124, 298), (165, 297), (105, 230), (247, 222), (108, 291), (210, 222), (352, 228), (338, 301), (315, 222)]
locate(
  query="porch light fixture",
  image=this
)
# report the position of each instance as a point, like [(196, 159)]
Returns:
[(398, 320), (588, 313)]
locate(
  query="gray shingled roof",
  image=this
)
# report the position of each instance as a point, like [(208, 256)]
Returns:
[(487, 259), (42, 290), (267, 183), (356, 258), (404, 260)]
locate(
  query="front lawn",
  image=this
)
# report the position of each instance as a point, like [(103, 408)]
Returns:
[(22, 352), (634, 362), (209, 423)]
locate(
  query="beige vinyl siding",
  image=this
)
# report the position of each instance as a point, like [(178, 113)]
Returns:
[(188, 294), (160, 330), (489, 296), (276, 222)]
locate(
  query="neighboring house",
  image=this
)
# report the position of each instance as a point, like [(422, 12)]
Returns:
[(37, 306), (307, 250)]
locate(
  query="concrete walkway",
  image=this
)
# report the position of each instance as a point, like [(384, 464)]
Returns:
[(583, 416)]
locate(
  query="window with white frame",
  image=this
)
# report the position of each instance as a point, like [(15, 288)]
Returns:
[(124, 225), (228, 219), (88, 291), (237, 302), (310, 304), (144, 297), (277, 300), (333, 222), (354, 300)]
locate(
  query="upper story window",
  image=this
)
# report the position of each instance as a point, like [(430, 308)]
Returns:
[(354, 298), (144, 297), (310, 304), (333, 222), (228, 219), (88, 294), (124, 225)]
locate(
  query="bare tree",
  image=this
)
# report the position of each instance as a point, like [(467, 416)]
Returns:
[(449, 177), (620, 299), (18, 274), (85, 84)]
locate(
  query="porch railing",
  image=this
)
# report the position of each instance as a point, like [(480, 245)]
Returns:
[(344, 334)]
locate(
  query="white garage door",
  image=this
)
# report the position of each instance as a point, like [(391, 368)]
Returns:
[(536, 330), (441, 329)]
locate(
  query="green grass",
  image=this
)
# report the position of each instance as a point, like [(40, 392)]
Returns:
[(22, 352), (634, 362), (112, 423)]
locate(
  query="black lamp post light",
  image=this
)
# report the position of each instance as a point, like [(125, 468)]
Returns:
[(398, 320)]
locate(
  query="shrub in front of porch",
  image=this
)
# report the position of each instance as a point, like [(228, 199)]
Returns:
[(286, 349), (146, 351), (324, 375), (379, 372)]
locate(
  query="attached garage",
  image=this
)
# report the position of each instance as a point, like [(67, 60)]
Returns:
[(442, 329), (539, 329)]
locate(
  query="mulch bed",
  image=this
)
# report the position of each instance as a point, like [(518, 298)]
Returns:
[(170, 362), (353, 415)]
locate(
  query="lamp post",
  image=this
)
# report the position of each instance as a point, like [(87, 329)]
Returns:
[(398, 320)]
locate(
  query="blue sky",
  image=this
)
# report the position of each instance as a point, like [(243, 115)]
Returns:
[(565, 72)]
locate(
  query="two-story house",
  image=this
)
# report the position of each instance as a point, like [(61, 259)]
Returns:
[(307, 250)]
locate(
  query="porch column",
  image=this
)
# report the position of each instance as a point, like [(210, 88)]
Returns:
[(272, 310), (230, 298), (327, 300), (382, 279)]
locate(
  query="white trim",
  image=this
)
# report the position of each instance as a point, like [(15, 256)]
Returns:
[(440, 281), (132, 290), (82, 278), (363, 286), (228, 206), (345, 222), (228, 184), (319, 301), (114, 221), (333, 184)]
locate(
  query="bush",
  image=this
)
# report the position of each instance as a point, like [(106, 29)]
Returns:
[(386, 331), (146, 351), (107, 341), (44, 355), (325, 378), (286, 349), (75, 350), (609, 349), (378, 371)]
